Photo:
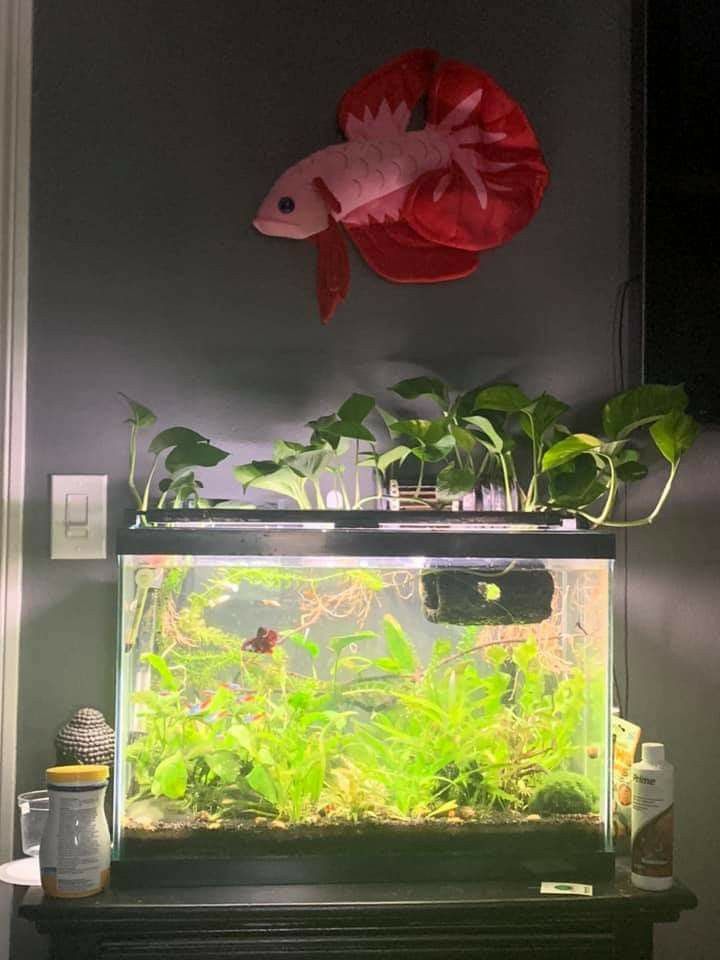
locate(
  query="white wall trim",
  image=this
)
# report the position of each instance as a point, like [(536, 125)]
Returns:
[(15, 96)]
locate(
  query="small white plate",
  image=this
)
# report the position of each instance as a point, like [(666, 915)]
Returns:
[(23, 873)]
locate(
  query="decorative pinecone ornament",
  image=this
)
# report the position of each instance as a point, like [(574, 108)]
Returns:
[(85, 738)]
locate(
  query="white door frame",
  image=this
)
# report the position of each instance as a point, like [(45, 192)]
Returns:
[(15, 96)]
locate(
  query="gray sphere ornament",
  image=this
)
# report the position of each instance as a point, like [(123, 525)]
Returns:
[(85, 738)]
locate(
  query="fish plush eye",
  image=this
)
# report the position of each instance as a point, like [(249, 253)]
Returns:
[(286, 204)]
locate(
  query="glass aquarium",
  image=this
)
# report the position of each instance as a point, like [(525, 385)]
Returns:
[(340, 696)]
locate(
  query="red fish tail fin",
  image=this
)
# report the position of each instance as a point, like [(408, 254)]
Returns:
[(333, 270), (497, 173), (381, 103)]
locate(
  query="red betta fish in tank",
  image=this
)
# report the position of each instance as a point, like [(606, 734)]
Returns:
[(264, 641), (420, 204)]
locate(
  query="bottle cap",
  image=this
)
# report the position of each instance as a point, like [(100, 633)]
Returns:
[(78, 773), (653, 753)]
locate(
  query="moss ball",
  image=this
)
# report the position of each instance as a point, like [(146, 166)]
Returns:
[(563, 793)]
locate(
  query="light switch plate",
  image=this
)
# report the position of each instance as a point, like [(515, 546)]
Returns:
[(78, 524)]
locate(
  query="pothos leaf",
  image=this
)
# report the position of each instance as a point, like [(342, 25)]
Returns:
[(507, 397), (356, 408), (453, 481), (571, 485), (674, 434), (484, 425), (541, 414), (140, 415), (415, 387), (397, 454), (175, 437), (194, 455), (641, 406), (630, 471), (267, 475), (569, 448), (348, 428)]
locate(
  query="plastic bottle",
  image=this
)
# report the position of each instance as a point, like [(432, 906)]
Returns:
[(652, 819), (75, 846)]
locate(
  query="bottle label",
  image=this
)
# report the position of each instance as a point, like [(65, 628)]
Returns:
[(75, 852), (652, 841)]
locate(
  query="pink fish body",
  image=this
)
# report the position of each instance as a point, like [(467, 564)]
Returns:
[(418, 204)]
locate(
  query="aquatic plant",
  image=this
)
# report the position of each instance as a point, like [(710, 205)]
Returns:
[(183, 449), (358, 735), (564, 792)]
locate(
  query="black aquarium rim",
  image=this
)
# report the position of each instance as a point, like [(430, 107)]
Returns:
[(379, 534), (192, 518)]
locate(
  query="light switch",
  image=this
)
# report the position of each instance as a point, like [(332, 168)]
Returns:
[(78, 517)]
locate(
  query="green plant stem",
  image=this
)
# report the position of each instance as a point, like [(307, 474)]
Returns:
[(146, 493), (506, 481), (343, 492), (357, 475), (318, 493), (133, 460), (643, 521), (418, 487)]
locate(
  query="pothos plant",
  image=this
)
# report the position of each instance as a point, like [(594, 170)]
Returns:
[(179, 449), (499, 431), (295, 470)]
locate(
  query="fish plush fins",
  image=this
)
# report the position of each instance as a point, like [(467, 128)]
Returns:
[(397, 253), (332, 277), (380, 104), (497, 174)]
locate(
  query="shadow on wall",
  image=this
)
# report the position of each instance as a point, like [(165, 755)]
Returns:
[(61, 641), (674, 569)]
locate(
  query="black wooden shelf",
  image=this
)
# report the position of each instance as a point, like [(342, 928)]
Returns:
[(437, 921)]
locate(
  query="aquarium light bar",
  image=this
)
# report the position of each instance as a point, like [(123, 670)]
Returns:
[(244, 525), (438, 525)]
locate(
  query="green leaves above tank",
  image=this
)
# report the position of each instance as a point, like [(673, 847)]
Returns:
[(140, 415), (495, 438), (582, 468), (640, 407), (297, 469), (183, 450)]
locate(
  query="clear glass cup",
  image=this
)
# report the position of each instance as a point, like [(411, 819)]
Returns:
[(34, 810)]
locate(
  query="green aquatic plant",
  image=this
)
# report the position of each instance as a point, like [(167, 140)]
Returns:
[(358, 735)]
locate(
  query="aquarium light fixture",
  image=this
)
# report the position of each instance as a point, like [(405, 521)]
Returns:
[(475, 527)]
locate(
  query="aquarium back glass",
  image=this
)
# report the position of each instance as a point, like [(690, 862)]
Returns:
[(270, 700)]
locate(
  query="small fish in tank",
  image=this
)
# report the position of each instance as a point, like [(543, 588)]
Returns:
[(397, 701)]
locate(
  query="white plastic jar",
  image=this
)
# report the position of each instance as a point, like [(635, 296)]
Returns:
[(75, 846)]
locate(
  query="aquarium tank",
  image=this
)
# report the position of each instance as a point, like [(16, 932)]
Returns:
[(364, 695)]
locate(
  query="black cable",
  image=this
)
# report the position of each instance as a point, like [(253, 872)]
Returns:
[(618, 355)]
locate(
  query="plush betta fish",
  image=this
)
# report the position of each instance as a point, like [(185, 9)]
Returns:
[(418, 204)]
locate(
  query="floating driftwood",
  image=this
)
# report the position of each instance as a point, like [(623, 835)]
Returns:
[(486, 596)]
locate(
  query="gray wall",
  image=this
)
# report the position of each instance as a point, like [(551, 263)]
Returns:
[(674, 633), (157, 129)]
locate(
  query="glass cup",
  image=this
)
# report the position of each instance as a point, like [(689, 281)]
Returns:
[(34, 810)]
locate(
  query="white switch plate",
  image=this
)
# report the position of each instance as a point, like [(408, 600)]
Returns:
[(78, 522)]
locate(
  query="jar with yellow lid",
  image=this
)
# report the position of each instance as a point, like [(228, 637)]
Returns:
[(75, 847)]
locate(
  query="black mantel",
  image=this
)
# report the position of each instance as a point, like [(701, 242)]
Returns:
[(358, 922)]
